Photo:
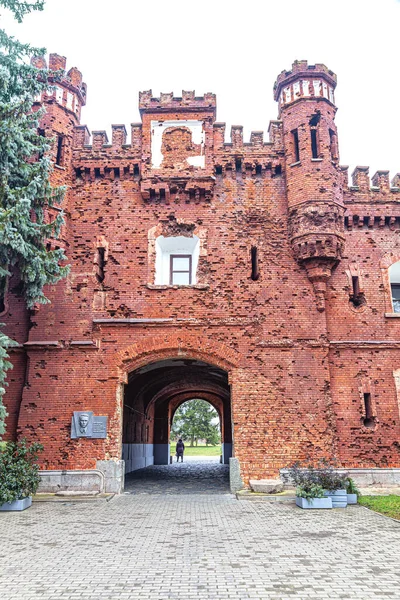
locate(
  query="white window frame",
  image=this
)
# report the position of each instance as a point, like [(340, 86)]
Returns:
[(175, 246)]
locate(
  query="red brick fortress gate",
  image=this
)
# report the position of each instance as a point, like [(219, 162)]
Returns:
[(250, 274)]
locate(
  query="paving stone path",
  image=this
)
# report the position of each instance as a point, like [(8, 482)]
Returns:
[(194, 476), (165, 546)]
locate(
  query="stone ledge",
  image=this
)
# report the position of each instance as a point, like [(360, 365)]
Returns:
[(267, 486)]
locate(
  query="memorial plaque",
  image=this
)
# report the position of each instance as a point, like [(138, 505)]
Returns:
[(85, 424), (99, 429)]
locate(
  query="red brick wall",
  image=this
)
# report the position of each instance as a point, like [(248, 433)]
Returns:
[(294, 394)]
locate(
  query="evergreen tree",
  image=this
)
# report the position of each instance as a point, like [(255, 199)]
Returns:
[(25, 167), (194, 420)]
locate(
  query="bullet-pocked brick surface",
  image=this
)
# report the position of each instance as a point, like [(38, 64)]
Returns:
[(289, 305)]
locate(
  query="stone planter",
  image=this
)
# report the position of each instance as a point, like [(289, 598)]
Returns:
[(339, 498), (314, 502), (352, 499), (17, 504)]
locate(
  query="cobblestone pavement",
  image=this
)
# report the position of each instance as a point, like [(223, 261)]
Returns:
[(194, 476), (196, 546)]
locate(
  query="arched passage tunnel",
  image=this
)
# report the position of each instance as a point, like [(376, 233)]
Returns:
[(152, 395)]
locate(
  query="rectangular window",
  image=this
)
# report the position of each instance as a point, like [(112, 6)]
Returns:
[(60, 150), (396, 297), (180, 269), (314, 143)]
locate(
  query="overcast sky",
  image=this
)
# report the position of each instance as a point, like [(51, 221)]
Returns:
[(236, 50)]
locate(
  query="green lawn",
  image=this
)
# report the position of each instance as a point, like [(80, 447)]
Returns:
[(199, 450), (387, 505)]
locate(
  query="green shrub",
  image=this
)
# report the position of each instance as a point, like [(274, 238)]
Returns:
[(351, 487), (310, 491), (329, 478), (324, 475), (19, 475)]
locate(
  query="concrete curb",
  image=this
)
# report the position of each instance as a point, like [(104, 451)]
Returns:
[(70, 498), (258, 496)]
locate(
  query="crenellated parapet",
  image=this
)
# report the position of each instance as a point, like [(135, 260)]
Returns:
[(168, 102), (95, 157), (69, 91), (371, 202), (304, 81), (253, 158), (362, 183)]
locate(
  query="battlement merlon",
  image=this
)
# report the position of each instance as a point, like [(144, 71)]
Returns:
[(72, 80), (305, 81), (188, 102)]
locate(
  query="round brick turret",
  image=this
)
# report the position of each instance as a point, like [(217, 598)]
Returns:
[(63, 100), (315, 203)]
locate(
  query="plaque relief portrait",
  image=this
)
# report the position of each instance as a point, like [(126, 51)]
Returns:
[(85, 425), (82, 424)]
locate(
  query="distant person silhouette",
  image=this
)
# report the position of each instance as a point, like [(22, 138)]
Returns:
[(180, 448)]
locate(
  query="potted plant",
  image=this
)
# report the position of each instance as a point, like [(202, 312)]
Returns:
[(352, 491), (19, 475), (312, 495), (334, 484), (309, 492)]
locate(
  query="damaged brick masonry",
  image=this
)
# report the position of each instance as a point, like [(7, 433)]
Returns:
[(250, 274)]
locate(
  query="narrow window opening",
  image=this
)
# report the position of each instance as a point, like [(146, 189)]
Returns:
[(152, 193), (296, 148), (357, 297), (255, 273), (60, 147), (278, 170), (3, 285), (116, 172), (41, 133), (238, 165), (314, 143), (100, 264), (218, 170), (180, 269), (136, 170), (369, 419), (162, 194), (97, 173), (258, 170), (314, 121), (126, 171)]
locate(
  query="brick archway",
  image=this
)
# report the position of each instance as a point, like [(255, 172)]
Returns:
[(155, 378), (154, 349)]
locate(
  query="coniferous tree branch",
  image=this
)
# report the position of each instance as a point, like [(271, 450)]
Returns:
[(25, 168)]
